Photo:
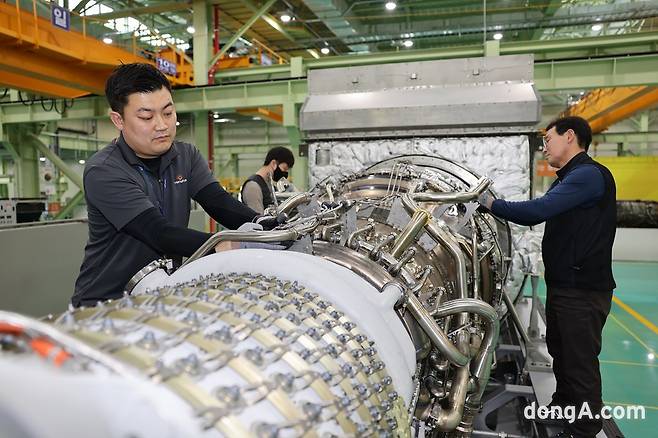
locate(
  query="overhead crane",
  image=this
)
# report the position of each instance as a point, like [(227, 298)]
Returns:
[(604, 107), (41, 58)]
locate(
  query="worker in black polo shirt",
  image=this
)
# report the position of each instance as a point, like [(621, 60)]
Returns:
[(580, 214), (138, 189), (257, 190)]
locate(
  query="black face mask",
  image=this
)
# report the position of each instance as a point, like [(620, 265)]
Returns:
[(278, 174)]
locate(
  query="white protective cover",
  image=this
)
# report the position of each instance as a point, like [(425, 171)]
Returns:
[(371, 309)]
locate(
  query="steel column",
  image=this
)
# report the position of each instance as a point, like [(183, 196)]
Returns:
[(58, 162), (291, 123), (201, 41)]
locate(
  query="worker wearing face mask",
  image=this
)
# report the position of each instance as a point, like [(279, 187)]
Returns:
[(257, 190)]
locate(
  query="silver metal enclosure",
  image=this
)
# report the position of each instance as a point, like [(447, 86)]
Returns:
[(448, 97)]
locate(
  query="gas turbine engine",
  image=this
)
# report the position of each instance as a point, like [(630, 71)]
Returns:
[(380, 320)]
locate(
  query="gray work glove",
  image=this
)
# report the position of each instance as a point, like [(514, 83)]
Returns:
[(269, 222), (486, 200), (251, 226)]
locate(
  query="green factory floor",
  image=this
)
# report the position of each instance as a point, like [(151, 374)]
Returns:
[(629, 366)]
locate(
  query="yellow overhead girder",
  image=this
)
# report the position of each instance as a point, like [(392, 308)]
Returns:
[(44, 88), (59, 63), (275, 115), (605, 106)]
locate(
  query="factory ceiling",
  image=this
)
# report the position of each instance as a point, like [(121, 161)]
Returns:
[(341, 27), (248, 33)]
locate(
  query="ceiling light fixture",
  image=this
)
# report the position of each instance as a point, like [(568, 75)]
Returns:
[(390, 6), (498, 36), (325, 50), (408, 43), (107, 40), (81, 161), (597, 27), (190, 29), (285, 18), (42, 159)]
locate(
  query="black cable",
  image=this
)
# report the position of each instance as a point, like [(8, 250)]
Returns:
[(5, 93), (25, 102), (67, 105), (52, 104), (57, 109)]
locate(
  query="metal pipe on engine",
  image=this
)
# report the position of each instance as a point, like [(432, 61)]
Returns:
[(376, 251), (406, 238), (329, 229), (448, 242), (454, 197), (406, 257), (422, 280), (293, 202), (438, 336), (475, 261), (448, 419), (492, 328), (252, 236), (481, 365), (351, 239)]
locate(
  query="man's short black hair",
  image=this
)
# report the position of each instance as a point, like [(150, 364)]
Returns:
[(579, 126), (281, 155), (128, 79)]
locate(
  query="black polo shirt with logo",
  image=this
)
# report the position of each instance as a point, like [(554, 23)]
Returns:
[(118, 187)]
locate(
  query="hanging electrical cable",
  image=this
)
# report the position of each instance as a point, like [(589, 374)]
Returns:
[(52, 104)]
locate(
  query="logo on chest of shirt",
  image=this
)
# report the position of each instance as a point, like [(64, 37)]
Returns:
[(180, 179)]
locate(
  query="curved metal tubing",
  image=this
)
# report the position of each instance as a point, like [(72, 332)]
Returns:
[(491, 331), (293, 202), (455, 197), (251, 236), (438, 336)]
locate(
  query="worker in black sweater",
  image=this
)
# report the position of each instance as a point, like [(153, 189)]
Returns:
[(580, 214), (139, 189)]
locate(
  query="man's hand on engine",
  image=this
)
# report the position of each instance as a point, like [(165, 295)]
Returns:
[(486, 200), (255, 226), (270, 222)]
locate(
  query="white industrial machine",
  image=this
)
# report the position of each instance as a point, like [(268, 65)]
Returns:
[(381, 319)]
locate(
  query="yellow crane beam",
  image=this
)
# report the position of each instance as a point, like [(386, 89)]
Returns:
[(264, 113), (36, 65), (56, 62), (38, 86), (604, 107)]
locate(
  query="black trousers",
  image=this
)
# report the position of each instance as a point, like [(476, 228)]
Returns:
[(574, 323)]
